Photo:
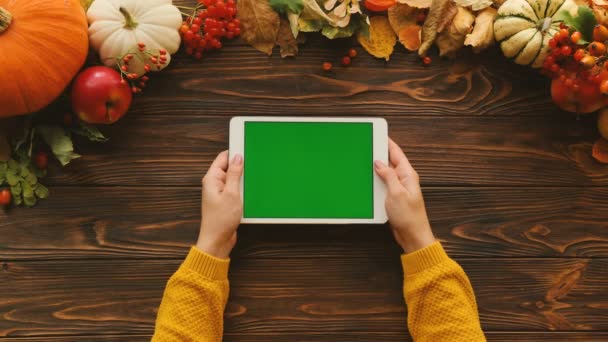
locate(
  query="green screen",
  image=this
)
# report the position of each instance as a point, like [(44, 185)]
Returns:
[(308, 170)]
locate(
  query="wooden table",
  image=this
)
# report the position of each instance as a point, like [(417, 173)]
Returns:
[(509, 182)]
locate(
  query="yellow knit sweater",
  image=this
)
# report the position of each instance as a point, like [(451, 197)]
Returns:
[(440, 300)]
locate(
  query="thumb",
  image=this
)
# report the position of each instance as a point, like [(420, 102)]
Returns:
[(233, 175), (388, 175)]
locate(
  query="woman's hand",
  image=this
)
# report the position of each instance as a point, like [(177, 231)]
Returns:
[(404, 202), (222, 206)]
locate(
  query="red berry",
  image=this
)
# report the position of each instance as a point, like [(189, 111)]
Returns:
[(564, 34), (579, 54), (188, 35), (183, 28), (124, 68), (352, 53), (198, 55), (346, 60), (162, 52), (426, 60), (550, 60), (327, 66), (197, 21), (554, 68), (569, 83), (194, 28), (5, 197), (41, 160), (420, 17), (552, 43), (575, 37), (566, 50), (141, 45)]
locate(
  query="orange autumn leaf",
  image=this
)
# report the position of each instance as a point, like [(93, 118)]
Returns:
[(410, 36), (381, 39), (600, 151)]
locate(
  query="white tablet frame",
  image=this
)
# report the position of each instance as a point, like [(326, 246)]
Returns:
[(380, 152)]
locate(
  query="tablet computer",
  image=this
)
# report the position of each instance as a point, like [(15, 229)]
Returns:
[(311, 169)]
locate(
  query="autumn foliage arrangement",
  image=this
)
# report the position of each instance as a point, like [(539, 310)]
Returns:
[(130, 40)]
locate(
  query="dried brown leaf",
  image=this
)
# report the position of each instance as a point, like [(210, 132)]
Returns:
[(416, 3), (431, 24), (599, 3), (285, 40), (381, 40), (448, 16), (452, 39), (259, 24), (482, 36), (410, 36), (402, 17)]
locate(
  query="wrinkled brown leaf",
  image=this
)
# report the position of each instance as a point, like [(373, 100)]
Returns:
[(259, 24), (287, 43), (599, 3), (416, 3), (448, 16), (452, 39), (402, 18), (381, 40), (482, 36), (410, 36), (431, 24)]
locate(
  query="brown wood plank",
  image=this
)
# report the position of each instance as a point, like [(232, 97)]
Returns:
[(288, 294), (177, 149), (111, 222), (361, 337), (239, 79)]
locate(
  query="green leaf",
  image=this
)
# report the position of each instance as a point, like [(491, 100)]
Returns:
[(364, 26), (293, 23), (13, 165), (59, 142), (41, 191), (28, 191), (17, 190), (89, 131), (307, 25), (31, 179), (12, 179), (24, 171), (284, 6), (29, 201), (17, 199), (584, 21), (339, 32)]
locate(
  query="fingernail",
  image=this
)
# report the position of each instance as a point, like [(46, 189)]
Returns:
[(238, 159), (378, 164)]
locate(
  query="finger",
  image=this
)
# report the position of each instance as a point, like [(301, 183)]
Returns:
[(388, 175), (216, 176), (233, 175), (404, 169), (220, 162)]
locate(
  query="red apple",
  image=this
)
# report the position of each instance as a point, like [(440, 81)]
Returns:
[(99, 97)]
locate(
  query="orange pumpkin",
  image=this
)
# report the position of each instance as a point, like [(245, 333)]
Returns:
[(44, 43)]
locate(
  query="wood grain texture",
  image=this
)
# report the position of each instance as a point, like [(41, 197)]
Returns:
[(313, 292), (491, 336), (133, 222), (375, 337), (239, 79), (177, 149)]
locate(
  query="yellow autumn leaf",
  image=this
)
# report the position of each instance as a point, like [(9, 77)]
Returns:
[(382, 38)]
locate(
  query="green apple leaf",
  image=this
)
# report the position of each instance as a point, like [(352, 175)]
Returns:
[(284, 6)]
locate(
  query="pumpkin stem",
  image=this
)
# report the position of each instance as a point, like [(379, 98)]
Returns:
[(5, 19), (130, 23), (545, 24)]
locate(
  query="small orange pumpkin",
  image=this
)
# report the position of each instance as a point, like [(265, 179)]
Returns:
[(44, 43)]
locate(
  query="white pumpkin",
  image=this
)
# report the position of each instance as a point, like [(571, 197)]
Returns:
[(117, 26), (524, 27)]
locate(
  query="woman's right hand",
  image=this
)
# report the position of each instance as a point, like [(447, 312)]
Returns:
[(404, 201)]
